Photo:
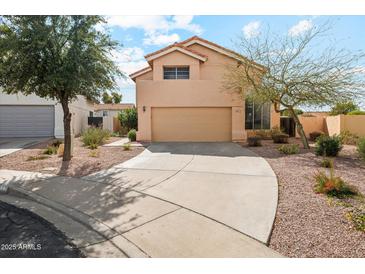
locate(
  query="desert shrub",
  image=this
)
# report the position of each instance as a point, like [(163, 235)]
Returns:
[(328, 146), (289, 149), (254, 141), (132, 135), (93, 137), (356, 112), (332, 185), (37, 157), (60, 150), (56, 143), (94, 153), (361, 148), (115, 134), (348, 138), (280, 138), (327, 163), (128, 118), (314, 135), (50, 150), (263, 134), (127, 147), (357, 216)]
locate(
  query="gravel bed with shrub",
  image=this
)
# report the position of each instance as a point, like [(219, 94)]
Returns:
[(312, 224)]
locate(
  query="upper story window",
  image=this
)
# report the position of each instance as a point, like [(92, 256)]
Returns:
[(105, 113), (174, 73), (257, 115)]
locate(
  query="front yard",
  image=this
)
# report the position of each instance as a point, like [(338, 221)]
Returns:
[(83, 162), (309, 224)]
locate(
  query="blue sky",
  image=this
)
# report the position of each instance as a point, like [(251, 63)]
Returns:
[(141, 35)]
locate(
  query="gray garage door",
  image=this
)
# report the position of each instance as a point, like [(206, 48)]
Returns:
[(26, 121)]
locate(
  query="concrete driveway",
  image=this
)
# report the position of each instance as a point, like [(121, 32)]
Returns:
[(217, 184), (172, 200), (10, 145)]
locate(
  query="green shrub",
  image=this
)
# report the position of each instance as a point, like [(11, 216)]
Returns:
[(254, 141), (332, 185), (289, 149), (93, 137), (128, 118), (361, 148), (328, 146), (132, 135), (344, 108), (115, 134), (327, 163), (50, 150), (356, 112), (348, 138), (314, 135), (280, 138), (127, 147)]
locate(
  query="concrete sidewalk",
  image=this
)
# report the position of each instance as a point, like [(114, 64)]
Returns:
[(191, 200)]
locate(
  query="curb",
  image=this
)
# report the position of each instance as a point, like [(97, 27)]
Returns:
[(106, 241)]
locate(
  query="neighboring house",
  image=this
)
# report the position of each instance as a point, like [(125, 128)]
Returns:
[(180, 98), (32, 116), (110, 109), (109, 112)]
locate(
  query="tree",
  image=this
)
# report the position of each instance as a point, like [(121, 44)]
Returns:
[(344, 108), (106, 98), (117, 98), (57, 57), (128, 118), (291, 71), (287, 113)]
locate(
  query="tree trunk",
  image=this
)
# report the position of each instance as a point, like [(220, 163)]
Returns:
[(67, 131), (300, 129)]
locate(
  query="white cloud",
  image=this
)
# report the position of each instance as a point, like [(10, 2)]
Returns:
[(129, 60), (252, 29), (185, 22), (157, 28), (160, 39), (300, 27)]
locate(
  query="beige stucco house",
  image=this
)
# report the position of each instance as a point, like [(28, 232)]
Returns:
[(179, 96), (103, 110)]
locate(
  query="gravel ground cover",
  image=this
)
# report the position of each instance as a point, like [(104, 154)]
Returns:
[(83, 162), (309, 224), (24, 234)]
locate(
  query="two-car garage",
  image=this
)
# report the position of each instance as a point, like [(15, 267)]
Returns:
[(191, 124), (27, 120)]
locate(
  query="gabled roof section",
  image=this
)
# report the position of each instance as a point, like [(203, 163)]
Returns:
[(218, 48), (140, 72), (183, 47), (176, 47)]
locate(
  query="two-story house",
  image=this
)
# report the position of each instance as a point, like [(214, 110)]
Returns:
[(179, 97)]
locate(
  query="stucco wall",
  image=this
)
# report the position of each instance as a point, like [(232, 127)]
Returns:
[(355, 124), (313, 123), (80, 110), (203, 89)]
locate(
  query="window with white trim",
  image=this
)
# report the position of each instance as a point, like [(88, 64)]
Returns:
[(176, 73)]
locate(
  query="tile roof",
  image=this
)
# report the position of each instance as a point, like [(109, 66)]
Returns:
[(179, 45), (112, 106)]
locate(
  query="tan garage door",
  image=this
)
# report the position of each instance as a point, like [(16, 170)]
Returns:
[(191, 124)]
